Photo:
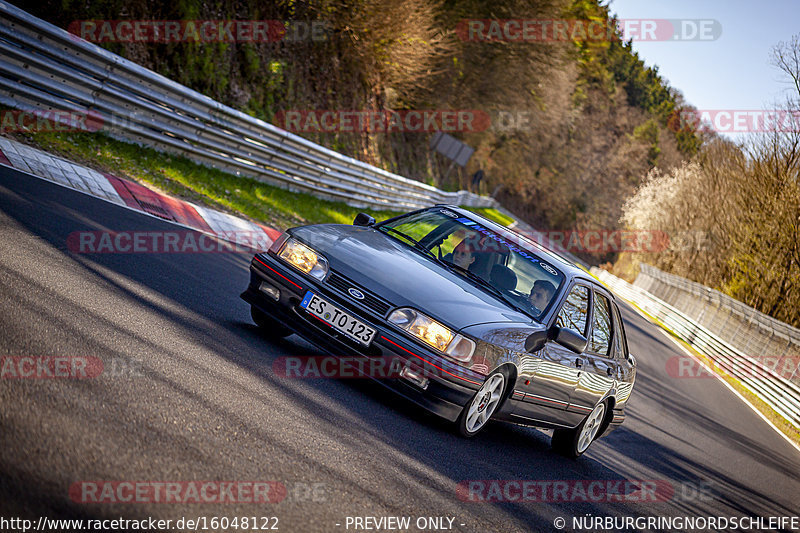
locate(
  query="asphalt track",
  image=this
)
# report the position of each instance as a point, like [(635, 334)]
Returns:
[(188, 393)]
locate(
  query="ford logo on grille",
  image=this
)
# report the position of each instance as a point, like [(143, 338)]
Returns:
[(355, 293)]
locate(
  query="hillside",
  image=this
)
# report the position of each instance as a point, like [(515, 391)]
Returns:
[(575, 124)]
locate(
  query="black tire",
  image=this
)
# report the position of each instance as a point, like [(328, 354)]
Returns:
[(495, 387), (568, 442), (563, 442), (269, 328)]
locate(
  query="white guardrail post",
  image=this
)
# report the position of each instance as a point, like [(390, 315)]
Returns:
[(46, 68), (774, 389)]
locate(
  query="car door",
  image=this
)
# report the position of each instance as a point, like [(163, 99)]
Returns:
[(599, 368), (556, 369)]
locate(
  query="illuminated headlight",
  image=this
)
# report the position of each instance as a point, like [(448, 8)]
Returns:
[(304, 258), (433, 333)]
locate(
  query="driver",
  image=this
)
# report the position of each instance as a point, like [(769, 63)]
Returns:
[(462, 255), (541, 294)]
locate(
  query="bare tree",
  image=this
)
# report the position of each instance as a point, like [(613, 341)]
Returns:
[(746, 200)]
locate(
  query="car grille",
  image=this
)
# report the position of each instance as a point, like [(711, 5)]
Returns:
[(370, 301)]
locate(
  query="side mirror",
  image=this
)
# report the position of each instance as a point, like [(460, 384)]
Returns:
[(363, 219), (536, 341), (570, 339)]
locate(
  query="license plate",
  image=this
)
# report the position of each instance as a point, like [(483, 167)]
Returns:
[(341, 321)]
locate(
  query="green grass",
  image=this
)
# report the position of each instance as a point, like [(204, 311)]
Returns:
[(183, 178), (492, 214)]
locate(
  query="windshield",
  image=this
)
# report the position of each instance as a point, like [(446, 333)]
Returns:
[(492, 262)]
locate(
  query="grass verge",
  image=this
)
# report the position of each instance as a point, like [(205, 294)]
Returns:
[(493, 214), (185, 179)]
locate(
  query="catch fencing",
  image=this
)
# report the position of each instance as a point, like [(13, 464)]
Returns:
[(746, 329), (758, 369)]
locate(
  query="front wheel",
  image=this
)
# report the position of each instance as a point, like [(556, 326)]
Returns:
[(478, 411), (573, 442), (268, 327)]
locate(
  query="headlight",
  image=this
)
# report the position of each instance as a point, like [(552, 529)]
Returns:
[(304, 258), (433, 333), (461, 348)]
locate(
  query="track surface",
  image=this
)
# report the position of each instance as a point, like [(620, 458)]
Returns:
[(189, 394)]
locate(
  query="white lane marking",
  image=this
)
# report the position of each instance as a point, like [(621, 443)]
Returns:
[(61, 171), (730, 387), (232, 228)]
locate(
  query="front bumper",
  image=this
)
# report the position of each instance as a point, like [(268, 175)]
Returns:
[(449, 387)]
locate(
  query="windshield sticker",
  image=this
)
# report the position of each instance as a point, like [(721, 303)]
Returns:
[(548, 268), (492, 236)]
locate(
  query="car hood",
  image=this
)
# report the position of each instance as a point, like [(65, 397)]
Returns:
[(400, 275)]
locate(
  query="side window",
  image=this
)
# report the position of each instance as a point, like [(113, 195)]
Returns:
[(621, 343), (600, 341), (575, 310)]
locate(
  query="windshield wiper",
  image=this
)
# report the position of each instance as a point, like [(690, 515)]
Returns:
[(486, 285), (453, 267), (413, 241)]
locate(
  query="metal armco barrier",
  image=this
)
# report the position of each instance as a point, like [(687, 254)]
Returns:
[(44, 67), (775, 390), (746, 329)]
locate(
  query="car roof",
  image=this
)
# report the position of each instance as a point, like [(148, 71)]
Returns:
[(566, 266)]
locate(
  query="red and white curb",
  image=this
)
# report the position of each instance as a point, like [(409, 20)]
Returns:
[(133, 195)]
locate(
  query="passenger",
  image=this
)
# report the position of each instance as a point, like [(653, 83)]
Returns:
[(541, 294)]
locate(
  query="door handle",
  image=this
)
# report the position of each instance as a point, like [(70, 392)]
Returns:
[(578, 363)]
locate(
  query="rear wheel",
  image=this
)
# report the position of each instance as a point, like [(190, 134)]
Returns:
[(573, 442), (269, 327), (480, 409)]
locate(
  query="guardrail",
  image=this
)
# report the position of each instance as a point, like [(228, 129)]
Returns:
[(747, 329), (45, 67), (775, 390)]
